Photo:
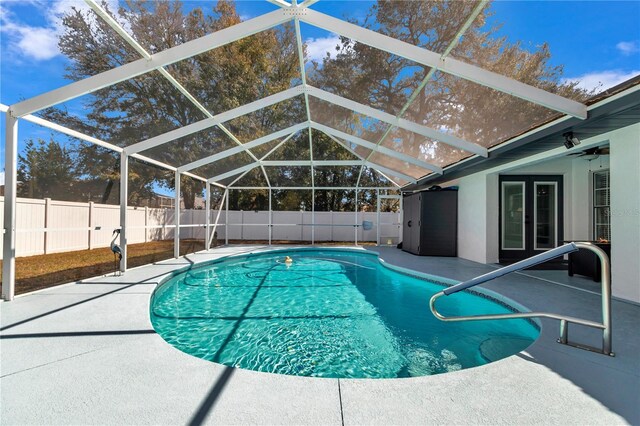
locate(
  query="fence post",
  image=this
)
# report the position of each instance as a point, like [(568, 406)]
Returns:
[(331, 224), (146, 224), (90, 225), (47, 222), (193, 222)]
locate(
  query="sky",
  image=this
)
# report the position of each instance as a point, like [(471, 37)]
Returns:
[(597, 42)]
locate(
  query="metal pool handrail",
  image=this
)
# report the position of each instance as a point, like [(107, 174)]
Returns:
[(605, 280)]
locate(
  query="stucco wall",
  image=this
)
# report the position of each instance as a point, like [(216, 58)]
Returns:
[(478, 203), (625, 212)]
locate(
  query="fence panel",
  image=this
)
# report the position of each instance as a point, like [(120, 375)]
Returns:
[(67, 215), (324, 229), (99, 221)]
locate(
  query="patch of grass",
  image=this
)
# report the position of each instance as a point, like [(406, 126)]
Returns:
[(47, 270)]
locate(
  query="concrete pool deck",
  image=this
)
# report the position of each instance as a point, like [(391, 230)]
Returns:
[(86, 353)]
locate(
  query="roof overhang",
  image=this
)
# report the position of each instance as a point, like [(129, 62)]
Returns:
[(619, 109)]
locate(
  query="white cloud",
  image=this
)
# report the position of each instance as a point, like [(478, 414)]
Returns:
[(40, 42), (603, 80), (317, 48), (628, 47)]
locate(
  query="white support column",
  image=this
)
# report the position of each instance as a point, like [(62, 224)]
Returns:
[(207, 219), (356, 219), (10, 192), (215, 225), (377, 217), (176, 234), (270, 218), (124, 196), (313, 215), (226, 217), (401, 221)]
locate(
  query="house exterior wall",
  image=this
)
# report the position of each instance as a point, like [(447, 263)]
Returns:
[(478, 203), (625, 212)]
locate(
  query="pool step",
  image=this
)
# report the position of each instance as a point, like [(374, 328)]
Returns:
[(495, 348)]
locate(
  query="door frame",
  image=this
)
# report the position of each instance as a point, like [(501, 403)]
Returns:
[(529, 181)]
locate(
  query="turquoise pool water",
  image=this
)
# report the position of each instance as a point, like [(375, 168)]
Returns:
[(329, 314)]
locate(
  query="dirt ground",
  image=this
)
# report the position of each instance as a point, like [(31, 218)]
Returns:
[(47, 270)]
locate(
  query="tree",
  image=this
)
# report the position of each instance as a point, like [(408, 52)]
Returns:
[(46, 170), (452, 104), (266, 63), (148, 105)]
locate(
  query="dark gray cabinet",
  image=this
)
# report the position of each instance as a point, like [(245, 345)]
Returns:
[(430, 224)]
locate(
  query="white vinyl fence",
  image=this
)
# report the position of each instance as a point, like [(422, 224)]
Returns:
[(80, 226)]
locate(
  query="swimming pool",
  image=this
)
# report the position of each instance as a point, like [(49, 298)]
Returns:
[(329, 313)]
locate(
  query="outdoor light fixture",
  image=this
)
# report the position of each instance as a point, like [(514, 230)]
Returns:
[(570, 140)]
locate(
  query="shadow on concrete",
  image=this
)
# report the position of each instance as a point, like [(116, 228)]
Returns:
[(24, 321), (207, 404), (76, 334)]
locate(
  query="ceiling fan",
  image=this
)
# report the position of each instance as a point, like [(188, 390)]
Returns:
[(591, 153)]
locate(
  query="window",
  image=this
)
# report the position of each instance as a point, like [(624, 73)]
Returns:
[(601, 210)]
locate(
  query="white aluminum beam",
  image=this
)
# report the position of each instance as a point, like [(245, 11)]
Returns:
[(175, 83), (318, 188), (381, 149), (215, 120), (392, 172), (348, 148), (235, 150), (235, 172), (308, 3), (10, 195), (454, 42), (196, 177), (447, 65), (70, 132), (101, 12), (398, 122), (157, 60), (312, 163), (280, 3), (58, 128), (207, 218)]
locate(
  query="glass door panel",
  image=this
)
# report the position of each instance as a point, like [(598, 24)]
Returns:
[(545, 210), (513, 214)]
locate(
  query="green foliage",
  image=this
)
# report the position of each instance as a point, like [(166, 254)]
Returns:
[(45, 170), (76, 172), (266, 63)]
